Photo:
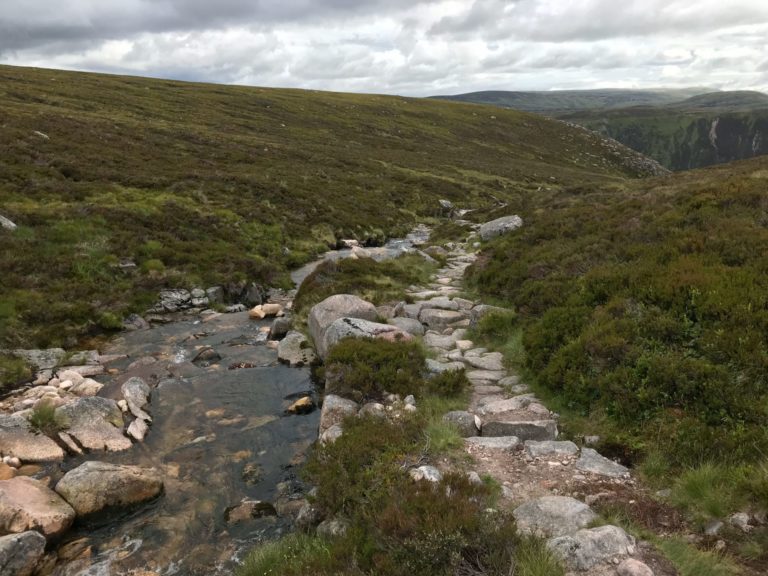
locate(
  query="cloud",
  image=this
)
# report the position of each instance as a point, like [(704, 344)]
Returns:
[(414, 47)]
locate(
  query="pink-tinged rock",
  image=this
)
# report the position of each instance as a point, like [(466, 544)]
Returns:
[(28, 504)]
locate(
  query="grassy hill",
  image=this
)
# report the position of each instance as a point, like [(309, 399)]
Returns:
[(206, 184), (556, 102)]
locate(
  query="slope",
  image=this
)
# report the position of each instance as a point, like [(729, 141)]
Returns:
[(205, 184)]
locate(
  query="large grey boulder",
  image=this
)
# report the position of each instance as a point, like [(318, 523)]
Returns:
[(20, 553), (41, 359), (95, 424), (537, 449), (592, 461), (322, 315), (587, 548), (410, 325), (525, 430), (500, 226), (335, 409), (357, 328), (28, 504), (18, 439), (95, 486), (6, 223), (435, 340), (464, 422), (550, 516), (295, 350)]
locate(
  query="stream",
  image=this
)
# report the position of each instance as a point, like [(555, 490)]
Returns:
[(219, 434)]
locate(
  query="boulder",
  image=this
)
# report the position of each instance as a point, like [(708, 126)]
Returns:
[(7, 224), (537, 449), (587, 548), (550, 516), (493, 443), (335, 409), (302, 406), (500, 226), (463, 421), (280, 327), (41, 359), (325, 313), (248, 510), (493, 361), (252, 295), (435, 340), (525, 430), (20, 553), (86, 387), (357, 328), (28, 504), (138, 429), (632, 567), (295, 350), (592, 461), (438, 319), (440, 303), (173, 301), (206, 357), (95, 424), (95, 486), (136, 393), (410, 325), (506, 404), (482, 310), (428, 473), (17, 439)]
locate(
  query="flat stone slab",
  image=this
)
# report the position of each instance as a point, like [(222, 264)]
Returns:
[(525, 430), (18, 439), (95, 424), (507, 404), (588, 548), (494, 443), (592, 461), (435, 340), (28, 504), (492, 361), (536, 449), (487, 375), (435, 367), (440, 319), (551, 516)]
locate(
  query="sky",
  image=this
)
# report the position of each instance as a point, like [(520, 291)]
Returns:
[(406, 47)]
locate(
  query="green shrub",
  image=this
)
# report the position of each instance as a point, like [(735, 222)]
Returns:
[(45, 420), (152, 265), (13, 371), (448, 384), (291, 555), (364, 368)]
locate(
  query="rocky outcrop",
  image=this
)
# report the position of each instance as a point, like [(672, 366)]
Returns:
[(500, 226), (95, 486), (28, 504), (322, 315), (136, 393), (20, 553)]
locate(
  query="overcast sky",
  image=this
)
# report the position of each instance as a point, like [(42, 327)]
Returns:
[(409, 47)]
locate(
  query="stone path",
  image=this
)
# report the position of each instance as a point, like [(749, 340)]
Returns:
[(513, 437)]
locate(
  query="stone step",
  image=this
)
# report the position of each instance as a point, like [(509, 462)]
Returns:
[(523, 429)]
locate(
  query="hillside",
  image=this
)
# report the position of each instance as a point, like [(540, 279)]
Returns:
[(701, 131), (200, 185), (556, 102)]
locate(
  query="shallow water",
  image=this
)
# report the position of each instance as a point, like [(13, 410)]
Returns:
[(208, 425)]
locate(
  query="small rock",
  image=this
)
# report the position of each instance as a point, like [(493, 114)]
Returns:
[(330, 435), (494, 443), (206, 357), (593, 462), (335, 409), (280, 328), (302, 406), (741, 521), (235, 308), (428, 473), (537, 449), (713, 527), (135, 322), (263, 310), (138, 429), (632, 567), (248, 510), (294, 350)]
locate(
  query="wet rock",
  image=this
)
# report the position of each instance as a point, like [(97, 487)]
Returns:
[(295, 350), (552, 516), (95, 423), (500, 226), (632, 567), (138, 429), (280, 327), (357, 328), (741, 521), (322, 315), (248, 510), (410, 325), (96, 486), (592, 461), (463, 421), (136, 393), (302, 406), (428, 473), (135, 322), (335, 409), (28, 504), (21, 553), (537, 449), (525, 430), (206, 357), (141, 362), (494, 443), (17, 439), (587, 548)]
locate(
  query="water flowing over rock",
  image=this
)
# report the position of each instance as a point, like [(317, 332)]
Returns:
[(322, 315), (18, 439), (553, 516), (28, 504), (500, 226), (95, 486), (20, 553)]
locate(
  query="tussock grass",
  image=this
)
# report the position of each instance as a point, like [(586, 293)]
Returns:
[(691, 561)]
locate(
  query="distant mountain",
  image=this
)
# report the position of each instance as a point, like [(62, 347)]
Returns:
[(557, 102), (700, 131)]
